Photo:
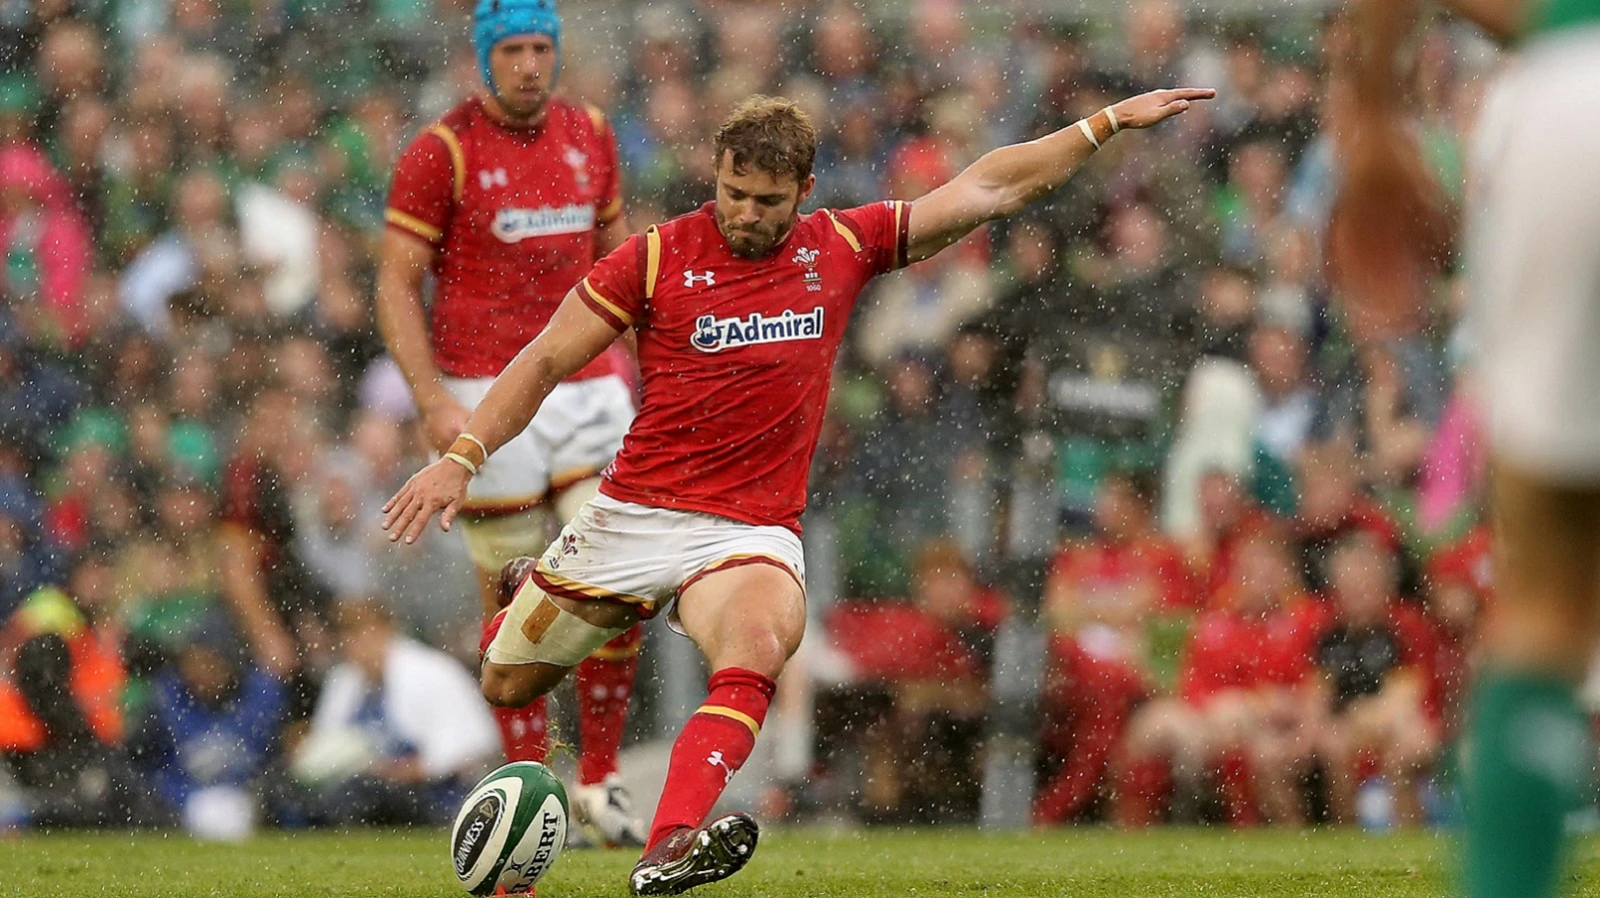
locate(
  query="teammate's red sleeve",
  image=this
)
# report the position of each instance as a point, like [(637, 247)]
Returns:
[(423, 188), (878, 229), (615, 288), (605, 169)]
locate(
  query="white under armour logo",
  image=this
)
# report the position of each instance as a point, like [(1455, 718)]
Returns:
[(705, 278), (716, 760), (488, 179)]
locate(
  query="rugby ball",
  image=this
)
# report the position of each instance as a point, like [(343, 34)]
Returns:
[(510, 830)]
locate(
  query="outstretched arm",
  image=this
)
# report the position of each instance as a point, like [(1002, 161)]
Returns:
[(1005, 180), (572, 339)]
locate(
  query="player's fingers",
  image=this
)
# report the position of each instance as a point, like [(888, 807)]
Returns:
[(448, 516), (403, 517), (396, 506), (1191, 93), (419, 522)]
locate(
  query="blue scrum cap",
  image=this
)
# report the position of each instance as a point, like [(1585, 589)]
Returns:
[(495, 20)]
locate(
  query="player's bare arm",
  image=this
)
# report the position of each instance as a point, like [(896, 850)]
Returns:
[(572, 339), (404, 261), (1005, 180)]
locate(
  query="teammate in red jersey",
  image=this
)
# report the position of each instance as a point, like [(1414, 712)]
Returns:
[(740, 308), (508, 200)]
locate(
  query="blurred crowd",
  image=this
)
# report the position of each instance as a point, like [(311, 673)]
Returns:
[(1146, 417)]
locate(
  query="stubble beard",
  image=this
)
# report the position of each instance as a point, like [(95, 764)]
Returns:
[(754, 244)]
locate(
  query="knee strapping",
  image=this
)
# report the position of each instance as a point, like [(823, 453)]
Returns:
[(549, 634)]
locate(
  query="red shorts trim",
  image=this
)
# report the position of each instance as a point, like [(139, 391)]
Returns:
[(733, 561)]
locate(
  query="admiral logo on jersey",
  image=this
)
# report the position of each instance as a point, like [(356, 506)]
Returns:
[(713, 334), (514, 225)]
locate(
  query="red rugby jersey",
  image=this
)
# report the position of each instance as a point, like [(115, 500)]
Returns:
[(1230, 651), (735, 355), (512, 214)]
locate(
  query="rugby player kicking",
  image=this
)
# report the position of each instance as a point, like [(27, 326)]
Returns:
[(740, 308)]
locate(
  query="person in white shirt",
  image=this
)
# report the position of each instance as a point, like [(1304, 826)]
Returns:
[(399, 733)]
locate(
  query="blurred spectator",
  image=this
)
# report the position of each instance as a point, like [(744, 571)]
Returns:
[(920, 695), (26, 559), (279, 607), (1234, 724), (213, 723), (400, 732), (1333, 506), (1374, 661), (37, 394), (1459, 581), (1228, 518), (61, 729), (47, 244), (202, 236), (1115, 605)]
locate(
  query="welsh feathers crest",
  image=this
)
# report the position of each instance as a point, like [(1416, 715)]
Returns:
[(806, 257)]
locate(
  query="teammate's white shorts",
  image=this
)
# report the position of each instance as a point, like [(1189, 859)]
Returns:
[(576, 433), (1534, 259), (645, 556)]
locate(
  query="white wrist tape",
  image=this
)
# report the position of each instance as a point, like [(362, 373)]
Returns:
[(1083, 125), (479, 443), (463, 461), (1112, 118)]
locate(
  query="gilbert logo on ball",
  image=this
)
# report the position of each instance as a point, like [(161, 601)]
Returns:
[(510, 830)]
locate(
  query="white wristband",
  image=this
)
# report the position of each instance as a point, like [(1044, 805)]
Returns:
[(463, 461), (1083, 125), (477, 442), (1112, 117)]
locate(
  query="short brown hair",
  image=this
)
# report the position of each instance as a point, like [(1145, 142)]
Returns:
[(770, 133)]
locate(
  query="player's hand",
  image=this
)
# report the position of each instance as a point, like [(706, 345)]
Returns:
[(439, 488), (1158, 105), (443, 420)]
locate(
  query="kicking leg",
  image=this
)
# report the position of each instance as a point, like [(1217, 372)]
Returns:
[(540, 637), (603, 683), (493, 541)]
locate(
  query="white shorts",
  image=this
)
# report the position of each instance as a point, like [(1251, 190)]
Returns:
[(645, 556), (1534, 259), (576, 433)]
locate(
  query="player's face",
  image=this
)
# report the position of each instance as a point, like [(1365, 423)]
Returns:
[(755, 209), (524, 70)]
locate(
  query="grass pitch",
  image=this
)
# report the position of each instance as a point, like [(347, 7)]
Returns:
[(875, 864)]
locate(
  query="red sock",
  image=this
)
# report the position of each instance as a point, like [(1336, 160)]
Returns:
[(1141, 790), (713, 745), (523, 731), (604, 683), (1233, 785)]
